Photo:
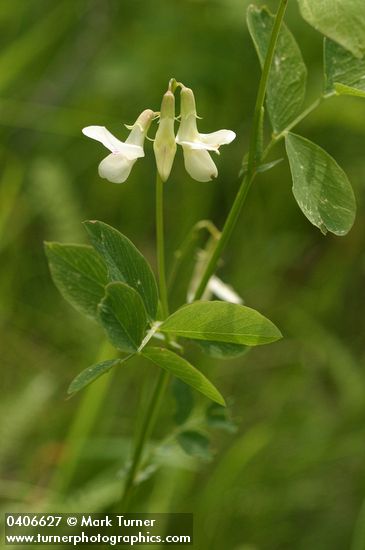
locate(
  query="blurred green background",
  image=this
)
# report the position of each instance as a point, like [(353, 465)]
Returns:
[(292, 476)]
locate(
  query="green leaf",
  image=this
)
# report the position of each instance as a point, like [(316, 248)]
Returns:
[(123, 316), (184, 400), (288, 74), (180, 368), (218, 417), (222, 350), (320, 186), (90, 374), (345, 73), (340, 20), (195, 444), (125, 263), (79, 274), (221, 322)]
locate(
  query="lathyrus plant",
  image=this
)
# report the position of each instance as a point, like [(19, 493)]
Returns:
[(113, 284)]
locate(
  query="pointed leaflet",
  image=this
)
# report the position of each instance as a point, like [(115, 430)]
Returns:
[(123, 316), (320, 186), (79, 274), (288, 74), (340, 20), (85, 377), (345, 73), (221, 322), (180, 368), (125, 263)]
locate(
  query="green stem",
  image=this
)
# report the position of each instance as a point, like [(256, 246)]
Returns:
[(257, 118), (252, 157), (154, 404), (145, 431), (225, 235)]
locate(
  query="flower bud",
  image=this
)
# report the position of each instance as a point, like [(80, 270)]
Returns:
[(164, 145)]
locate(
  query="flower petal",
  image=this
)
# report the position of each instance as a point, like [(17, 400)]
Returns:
[(209, 142), (100, 133), (140, 128), (116, 167), (195, 145), (188, 131), (199, 165), (216, 139)]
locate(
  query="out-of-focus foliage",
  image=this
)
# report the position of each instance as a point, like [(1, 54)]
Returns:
[(292, 475)]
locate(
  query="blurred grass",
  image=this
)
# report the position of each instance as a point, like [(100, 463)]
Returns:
[(293, 476)]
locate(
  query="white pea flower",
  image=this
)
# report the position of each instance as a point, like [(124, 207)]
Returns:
[(198, 162), (117, 166), (164, 145), (216, 287), (223, 291)]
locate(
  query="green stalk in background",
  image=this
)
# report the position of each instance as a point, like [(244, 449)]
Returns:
[(81, 427)]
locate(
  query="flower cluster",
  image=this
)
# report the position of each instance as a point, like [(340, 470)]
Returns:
[(117, 166)]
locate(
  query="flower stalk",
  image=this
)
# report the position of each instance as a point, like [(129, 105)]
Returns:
[(154, 405)]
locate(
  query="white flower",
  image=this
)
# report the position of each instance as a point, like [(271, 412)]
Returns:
[(198, 162), (117, 166), (164, 145), (219, 289)]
